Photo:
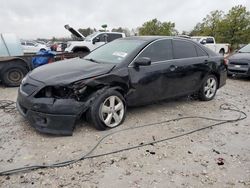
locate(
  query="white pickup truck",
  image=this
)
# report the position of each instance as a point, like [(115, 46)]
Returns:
[(91, 42), (210, 43)]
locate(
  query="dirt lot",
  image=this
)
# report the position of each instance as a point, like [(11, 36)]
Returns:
[(189, 161)]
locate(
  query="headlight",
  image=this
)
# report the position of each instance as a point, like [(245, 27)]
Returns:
[(58, 92)]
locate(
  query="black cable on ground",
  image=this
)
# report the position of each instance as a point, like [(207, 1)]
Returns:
[(7, 106), (226, 107)]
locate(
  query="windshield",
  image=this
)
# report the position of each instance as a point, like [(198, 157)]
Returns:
[(245, 49), (114, 52)]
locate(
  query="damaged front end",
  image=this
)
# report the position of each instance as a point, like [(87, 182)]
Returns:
[(54, 109)]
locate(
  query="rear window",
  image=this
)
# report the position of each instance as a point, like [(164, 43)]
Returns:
[(183, 49)]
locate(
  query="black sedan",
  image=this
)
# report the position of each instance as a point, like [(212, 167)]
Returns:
[(239, 63), (126, 72)]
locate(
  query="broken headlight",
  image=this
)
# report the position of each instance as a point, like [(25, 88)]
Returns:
[(57, 92)]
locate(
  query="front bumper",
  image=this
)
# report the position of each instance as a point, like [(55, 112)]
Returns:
[(239, 69), (47, 115)]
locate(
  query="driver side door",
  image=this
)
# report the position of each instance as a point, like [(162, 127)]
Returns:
[(147, 81)]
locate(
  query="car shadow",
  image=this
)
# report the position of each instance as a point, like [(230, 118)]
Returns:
[(142, 109), (240, 78)]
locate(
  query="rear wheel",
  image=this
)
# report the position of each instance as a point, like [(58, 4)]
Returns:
[(13, 73), (209, 88), (108, 110)]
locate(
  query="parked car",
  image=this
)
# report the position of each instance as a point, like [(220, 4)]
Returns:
[(211, 44), (126, 72), (239, 62), (32, 46), (91, 42)]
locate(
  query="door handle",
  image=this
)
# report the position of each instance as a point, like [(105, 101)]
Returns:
[(173, 67)]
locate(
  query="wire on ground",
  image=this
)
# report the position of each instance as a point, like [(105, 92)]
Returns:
[(225, 107)]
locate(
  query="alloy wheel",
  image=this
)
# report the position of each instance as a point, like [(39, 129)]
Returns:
[(210, 87), (112, 111)]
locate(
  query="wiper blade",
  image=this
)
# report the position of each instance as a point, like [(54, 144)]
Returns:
[(92, 60)]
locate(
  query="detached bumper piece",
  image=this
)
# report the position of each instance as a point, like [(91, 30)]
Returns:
[(49, 123), (49, 115)]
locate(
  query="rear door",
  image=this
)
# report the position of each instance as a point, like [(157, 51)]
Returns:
[(186, 70), (147, 81)]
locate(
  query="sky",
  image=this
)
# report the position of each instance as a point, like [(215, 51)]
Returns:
[(31, 19)]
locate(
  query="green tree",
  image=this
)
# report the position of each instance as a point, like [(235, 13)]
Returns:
[(122, 30), (87, 31), (104, 26), (235, 28), (210, 25), (155, 27)]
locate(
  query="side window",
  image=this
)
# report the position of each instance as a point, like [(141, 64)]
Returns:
[(210, 41), (200, 52), (30, 44), (102, 37), (113, 36), (158, 51), (183, 49)]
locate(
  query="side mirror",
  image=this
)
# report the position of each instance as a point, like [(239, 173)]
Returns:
[(142, 61), (204, 41), (96, 39)]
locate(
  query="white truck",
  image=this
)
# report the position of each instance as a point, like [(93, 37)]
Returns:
[(91, 42), (210, 43), (14, 64)]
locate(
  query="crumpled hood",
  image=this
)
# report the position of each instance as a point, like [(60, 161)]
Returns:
[(240, 56), (68, 71)]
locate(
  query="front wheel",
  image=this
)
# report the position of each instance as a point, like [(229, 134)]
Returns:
[(209, 88), (108, 110)]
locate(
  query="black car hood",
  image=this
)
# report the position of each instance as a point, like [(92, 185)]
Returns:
[(68, 71), (240, 56)]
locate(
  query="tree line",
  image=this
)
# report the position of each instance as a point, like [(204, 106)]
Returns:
[(232, 27)]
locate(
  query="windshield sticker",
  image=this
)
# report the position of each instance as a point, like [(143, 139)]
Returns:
[(120, 54)]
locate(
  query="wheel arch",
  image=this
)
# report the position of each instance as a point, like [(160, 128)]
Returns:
[(18, 60)]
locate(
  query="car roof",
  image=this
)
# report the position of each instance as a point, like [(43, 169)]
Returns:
[(149, 39), (153, 38)]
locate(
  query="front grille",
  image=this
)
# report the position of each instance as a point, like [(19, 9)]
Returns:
[(28, 88)]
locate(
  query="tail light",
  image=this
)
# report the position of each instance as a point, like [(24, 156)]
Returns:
[(226, 61)]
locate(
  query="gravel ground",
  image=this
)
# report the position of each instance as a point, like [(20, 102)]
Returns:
[(189, 161)]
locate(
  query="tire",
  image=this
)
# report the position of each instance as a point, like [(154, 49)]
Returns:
[(103, 114), (209, 88), (222, 52), (13, 73)]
